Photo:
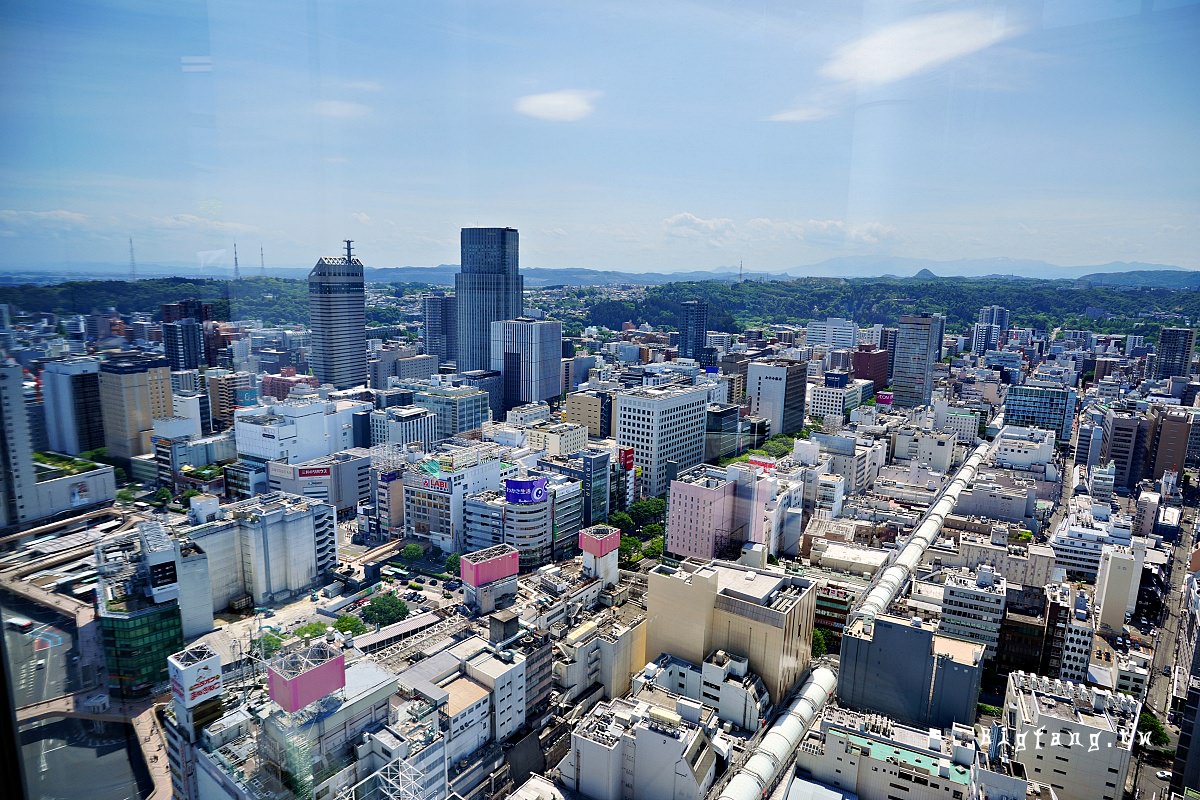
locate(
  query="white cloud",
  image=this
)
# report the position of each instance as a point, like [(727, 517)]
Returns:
[(721, 231), (803, 114), (57, 220), (191, 222), (906, 48), (567, 105), (361, 217), (340, 109)]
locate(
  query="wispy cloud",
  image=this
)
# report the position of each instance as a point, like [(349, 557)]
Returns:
[(14, 223), (566, 105), (899, 51), (906, 48), (802, 114), (722, 231), (361, 217), (340, 109), (191, 222)]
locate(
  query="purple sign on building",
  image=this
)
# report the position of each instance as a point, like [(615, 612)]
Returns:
[(525, 491)]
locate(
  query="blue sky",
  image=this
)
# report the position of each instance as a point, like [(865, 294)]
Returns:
[(616, 135)]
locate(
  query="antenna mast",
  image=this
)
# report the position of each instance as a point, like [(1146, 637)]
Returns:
[(132, 262), (237, 273), (349, 251), (739, 270), (262, 265)]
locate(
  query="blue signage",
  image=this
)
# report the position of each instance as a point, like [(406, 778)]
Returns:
[(525, 491)]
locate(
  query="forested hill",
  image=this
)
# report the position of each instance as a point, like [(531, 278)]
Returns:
[(1033, 303)]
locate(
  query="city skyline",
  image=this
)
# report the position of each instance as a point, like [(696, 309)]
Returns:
[(677, 137)]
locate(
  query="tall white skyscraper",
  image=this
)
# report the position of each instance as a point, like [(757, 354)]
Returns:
[(528, 355), (71, 391), (337, 310)]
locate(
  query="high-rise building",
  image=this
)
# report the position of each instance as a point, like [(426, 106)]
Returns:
[(1171, 430), (17, 478), (693, 331), (918, 348), (228, 391), (527, 353), (439, 312), (183, 343), (1174, 351), (984, 337), (187, 309), (1051, 408), (994, 315), (871, 364), (134, 391), (887, 341), (488, 288), (777, 388), (337, 315), (71, 392), (665, 427), (835, 332)]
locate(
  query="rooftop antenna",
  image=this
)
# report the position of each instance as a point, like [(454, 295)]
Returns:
[(237, 273), (349, 251), (262, 264), (132, 262)]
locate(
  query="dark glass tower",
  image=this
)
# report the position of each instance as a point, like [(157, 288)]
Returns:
[(693, 332), (487, 289), (337, 310)]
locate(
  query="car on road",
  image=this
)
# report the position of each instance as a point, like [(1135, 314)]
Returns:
[(1163, 774)]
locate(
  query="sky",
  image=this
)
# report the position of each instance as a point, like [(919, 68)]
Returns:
[(663, 135)]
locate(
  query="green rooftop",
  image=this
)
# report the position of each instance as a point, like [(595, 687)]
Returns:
[(918, 762)]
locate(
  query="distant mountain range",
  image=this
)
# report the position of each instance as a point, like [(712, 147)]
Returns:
[(1116, 273)]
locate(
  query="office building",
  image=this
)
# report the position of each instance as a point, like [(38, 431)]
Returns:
[(1076, 738), (973, 607), (404, 425), (763, 616), (281, 385), (298, 430), (459, 406), (18, 503), (776, 388), (665, 427), (71, 393), (994, 315), (591, 467), (984, 337), (693, 331), (835, 332), (1174, 352), (229, 391), (343, 480), (138, 603), (183, 344), (439, 315), (870, 363), (593, 410), (528, 355), (186, 309), (904, 669), (1171, 430), (918, 348), (337, 318), (1050, 408), (1127, 440), (622, 748), (134, 391), (540, 516), (488, 288), (436, 487), (887, 341)]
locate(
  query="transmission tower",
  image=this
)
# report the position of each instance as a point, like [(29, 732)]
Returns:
[(262, 264), (132, 262), (237, 273)]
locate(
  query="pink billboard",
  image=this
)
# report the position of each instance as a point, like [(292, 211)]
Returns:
[(599, 540), (482, 567), (293, 686)]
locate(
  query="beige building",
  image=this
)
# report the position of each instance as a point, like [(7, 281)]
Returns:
[(586, 408), (558, 438), (134, 391), (763, 616)]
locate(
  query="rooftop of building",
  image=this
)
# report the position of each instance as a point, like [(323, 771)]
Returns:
[(462, 693), (1039, 696)]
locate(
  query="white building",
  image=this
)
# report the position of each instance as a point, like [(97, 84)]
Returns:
[(1117, 582), (834, 332), (662, 424), (404, 425), (625, 749), (973, 607), (777, 390), (1075, 738), (1023, 448), (723, 682), (268, 549), (296, 430), (528, 355)]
